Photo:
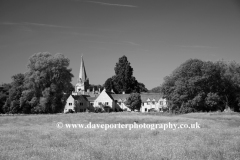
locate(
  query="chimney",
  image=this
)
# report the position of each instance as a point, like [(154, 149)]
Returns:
[(112, 91)]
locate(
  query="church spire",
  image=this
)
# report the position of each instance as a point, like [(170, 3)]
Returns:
[(82, 72)]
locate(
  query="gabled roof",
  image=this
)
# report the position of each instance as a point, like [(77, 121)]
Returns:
[(80, 97), (150, 96)]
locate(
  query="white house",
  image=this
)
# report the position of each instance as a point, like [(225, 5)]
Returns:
[(82, 99), (77, 103), (152, 101)]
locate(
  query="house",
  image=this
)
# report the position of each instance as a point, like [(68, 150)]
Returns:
[(77, 103), (111, 101), (82, 99), (120, 100), (152, 101)]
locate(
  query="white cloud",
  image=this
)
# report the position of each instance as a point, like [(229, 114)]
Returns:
[(195, 46), (112, 4), (34, 24)]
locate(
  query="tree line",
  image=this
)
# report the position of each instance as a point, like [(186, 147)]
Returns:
[(194, 86), (42, 88), (46, 85), (197, 85)]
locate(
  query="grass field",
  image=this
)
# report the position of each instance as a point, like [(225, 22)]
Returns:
[(37, 137)]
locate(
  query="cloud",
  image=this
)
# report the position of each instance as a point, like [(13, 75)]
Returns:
[(195, 46), (34, 24), (46, 25), (8, 23), (132, 43), (112, 4)]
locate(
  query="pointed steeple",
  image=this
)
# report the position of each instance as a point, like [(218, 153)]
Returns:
[(83, 82), (82, 73)]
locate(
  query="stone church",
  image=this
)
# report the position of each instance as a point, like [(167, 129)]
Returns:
[(82, 99)]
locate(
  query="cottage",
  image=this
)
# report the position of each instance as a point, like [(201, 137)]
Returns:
[(77, 103), (82, 99)]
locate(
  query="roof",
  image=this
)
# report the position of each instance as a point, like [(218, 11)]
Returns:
[(144, 96), (120, 96), (80, 97), (82, 72), (91, 99), (151, 96)]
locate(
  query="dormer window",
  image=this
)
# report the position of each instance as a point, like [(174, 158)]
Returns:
[(148, 101)]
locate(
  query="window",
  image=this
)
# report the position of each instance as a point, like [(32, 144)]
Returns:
[(99, 103), (119, 103), (153, 102), (69, 104), (145, 109), (91, 103), (81, 104), (106, 103), (161, 102), (79, 89)]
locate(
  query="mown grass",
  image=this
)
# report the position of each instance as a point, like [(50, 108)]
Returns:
[(37, 137)]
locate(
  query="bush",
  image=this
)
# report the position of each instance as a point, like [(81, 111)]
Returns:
[(186, 109), (98, 109)]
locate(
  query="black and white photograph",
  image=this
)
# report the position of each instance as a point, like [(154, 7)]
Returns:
[(119, 79)]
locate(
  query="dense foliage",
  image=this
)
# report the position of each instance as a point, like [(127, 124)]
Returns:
[(134, 101), (155, 90), (203, 86), (12, 103), (4, 93), (123, 80), (42, 88)]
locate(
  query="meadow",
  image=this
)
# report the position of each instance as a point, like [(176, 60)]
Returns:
[(36, 137)]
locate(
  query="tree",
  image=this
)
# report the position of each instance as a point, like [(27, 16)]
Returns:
[(123, 80), (48, 78), (4, 93), (108, 84), (134, 101), (203, 86), (230, 84), (155, 90), (12, 104), (141, 88), (212, 100)]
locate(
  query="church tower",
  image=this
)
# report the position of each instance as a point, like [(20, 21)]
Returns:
[(83, 82)]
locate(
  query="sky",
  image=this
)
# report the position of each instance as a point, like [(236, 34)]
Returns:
[(156, 35)]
